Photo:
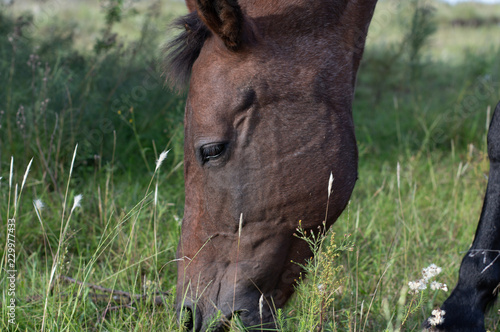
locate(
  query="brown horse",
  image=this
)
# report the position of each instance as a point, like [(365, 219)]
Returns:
[(268, 118)]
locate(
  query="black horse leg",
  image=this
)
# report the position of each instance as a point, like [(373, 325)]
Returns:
[(479, 277)]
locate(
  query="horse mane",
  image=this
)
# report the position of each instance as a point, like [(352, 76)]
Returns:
[(181, 52)]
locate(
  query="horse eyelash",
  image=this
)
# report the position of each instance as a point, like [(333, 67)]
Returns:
[(211, 151)]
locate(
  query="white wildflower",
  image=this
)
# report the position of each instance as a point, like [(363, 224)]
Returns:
[(38, 204), (431, 271), (76, 202), (160, 160), (437, 285), (434, 321), (438, 312), (437, 317), (427, 274), (416, 286)]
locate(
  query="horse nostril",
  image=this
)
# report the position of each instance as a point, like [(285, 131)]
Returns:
[(191, 318)]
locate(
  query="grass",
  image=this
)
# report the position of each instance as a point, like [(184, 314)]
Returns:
[(427, 113), (463, 28)]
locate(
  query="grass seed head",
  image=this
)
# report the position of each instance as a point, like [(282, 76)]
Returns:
[(398, 170), (156, 194), (161, 158), (38, 204), (76, 202), (261, 305), (15, 198), (26, 174), (240, 225), (11, 174), (330, 182)]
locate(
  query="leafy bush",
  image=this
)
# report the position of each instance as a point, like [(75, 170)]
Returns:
[(55, 93)]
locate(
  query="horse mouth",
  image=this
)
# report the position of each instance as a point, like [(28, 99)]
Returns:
[(194, 321)]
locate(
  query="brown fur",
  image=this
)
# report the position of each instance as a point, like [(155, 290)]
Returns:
[(191, 5), (271, 93)]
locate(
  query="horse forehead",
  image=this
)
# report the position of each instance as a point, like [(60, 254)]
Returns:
[(259, 8), (265, 65), (279, 58), (220, 79), (217, 70)]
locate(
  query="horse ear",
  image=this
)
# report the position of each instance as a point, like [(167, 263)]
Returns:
[(191, 5), (367, 14), (361, 12), (224, 18)]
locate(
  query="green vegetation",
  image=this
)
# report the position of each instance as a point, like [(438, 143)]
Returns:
[(81, 73)]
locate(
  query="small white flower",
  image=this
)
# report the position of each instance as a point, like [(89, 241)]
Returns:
[(438, 312), (38, 204), (160, 160), (437, 317), (416, 286), (427, 273), (437, 285), (434, 321), (431, 271)]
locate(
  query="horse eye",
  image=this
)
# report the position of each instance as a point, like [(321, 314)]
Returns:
[(212, 151)]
